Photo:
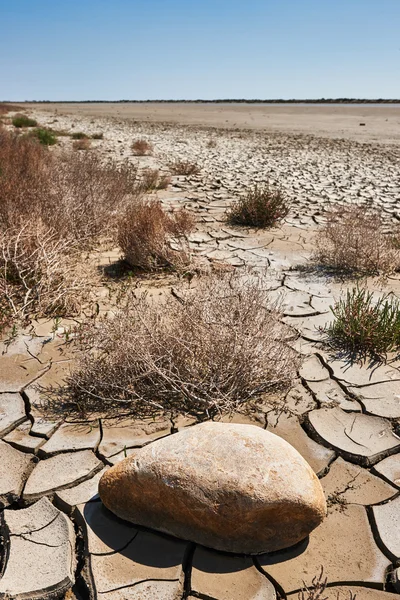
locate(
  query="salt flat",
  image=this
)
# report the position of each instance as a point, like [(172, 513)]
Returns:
[(381, 121)]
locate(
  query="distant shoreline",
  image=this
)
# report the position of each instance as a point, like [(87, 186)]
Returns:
[(217, 101)]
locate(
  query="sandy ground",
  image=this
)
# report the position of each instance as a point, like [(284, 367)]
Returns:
[(382, 122)]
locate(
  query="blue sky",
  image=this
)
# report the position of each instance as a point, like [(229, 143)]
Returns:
[(149, 49)]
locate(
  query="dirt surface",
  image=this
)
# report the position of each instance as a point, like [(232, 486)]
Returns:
[(381, 123)]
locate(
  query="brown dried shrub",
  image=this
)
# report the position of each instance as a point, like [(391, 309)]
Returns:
[(152, 180), (211, 353), (262, 206), (184, 167), (152, 239), (353, 240), (142, 148), (81, 144), (40, 274), (77, 196)]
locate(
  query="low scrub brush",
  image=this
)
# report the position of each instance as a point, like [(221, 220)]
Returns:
[(184, 167), (152, 239), (354, 241), (23, 121), (263, 206), (142, 148), (212, 352)]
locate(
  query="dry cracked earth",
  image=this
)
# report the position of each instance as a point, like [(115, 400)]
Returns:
[(343, 417)]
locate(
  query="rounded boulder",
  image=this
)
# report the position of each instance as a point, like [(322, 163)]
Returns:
[(235, 488)]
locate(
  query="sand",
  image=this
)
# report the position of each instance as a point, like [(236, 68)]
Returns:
[(382, 122)]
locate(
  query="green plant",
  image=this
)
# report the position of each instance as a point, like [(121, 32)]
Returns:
[(209, 353), (262, 206), (354, 241), (44, 136), (79, 135), (23, 121), (364, 324)]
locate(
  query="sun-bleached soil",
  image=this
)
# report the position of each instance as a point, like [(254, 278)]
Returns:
[(361, 122)]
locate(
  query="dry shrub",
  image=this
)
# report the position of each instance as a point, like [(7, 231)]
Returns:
[(40, 273), (151, 180), (79, 135), (184, 167), (262, 206), (142, 148), (353, 241), (79, 196), (5, 107), (25, 179), (152, 239), (211, 353), (81, 144)]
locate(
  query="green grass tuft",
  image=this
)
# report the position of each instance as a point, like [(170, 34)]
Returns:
[(23, 121), (365, 325), (45, 136)]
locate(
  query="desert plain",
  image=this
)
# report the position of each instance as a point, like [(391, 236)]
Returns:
[(341, 415)]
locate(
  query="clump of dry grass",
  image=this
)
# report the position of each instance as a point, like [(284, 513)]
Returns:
[(152, 180), (152, 239), (211, 353), (262, 206), (318, 589), (81, 144), (184, 167), (5, 107), (40, 273), (353, 240), (142, 148)]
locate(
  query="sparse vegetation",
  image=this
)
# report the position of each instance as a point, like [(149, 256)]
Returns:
[(317, 589), (183, 167), (364, 324), (52, 208), (79, 135), (97, 136), (152, 239), (46, 137), (152, 180), (142, 148), (81, 144), (23, 121), (39, 273), (210, 353), (263, 206), (354, 241)]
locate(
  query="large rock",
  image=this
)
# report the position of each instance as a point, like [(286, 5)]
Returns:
[(231, 487)]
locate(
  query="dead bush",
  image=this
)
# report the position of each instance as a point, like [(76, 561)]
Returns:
[(5, 107), (211, 353), (81, 144), (79, 196), (262, 206), (152, 239), (151, 180), (353, 240), (39, 273), (26, 173), (184, 167), (142, 148)]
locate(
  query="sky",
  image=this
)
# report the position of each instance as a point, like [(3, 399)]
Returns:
[(190, 49)]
